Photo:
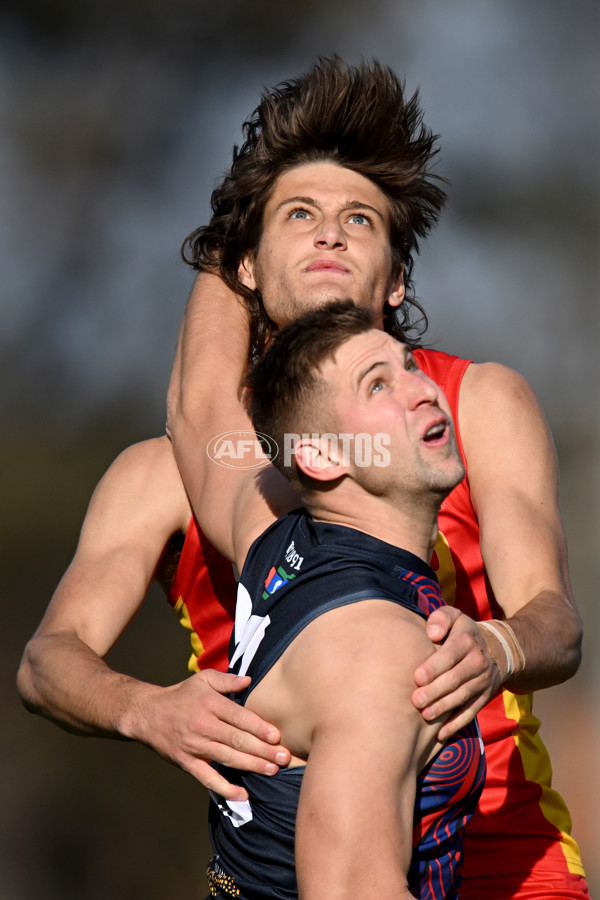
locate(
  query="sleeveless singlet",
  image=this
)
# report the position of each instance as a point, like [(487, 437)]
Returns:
[(203, 597), (294, 572), (521, 824)]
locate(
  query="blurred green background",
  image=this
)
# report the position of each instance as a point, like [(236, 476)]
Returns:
[(116, 119)]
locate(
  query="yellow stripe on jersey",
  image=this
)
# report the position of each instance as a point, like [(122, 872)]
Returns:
[(538, 769), (184, 618), (446, 573)]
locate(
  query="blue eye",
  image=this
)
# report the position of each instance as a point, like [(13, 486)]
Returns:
[(299, 214), (377, 386), (360, 219)]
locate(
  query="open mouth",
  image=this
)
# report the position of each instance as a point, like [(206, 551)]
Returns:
[(435, 432)]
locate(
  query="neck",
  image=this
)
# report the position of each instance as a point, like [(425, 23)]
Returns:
[(408, 525)]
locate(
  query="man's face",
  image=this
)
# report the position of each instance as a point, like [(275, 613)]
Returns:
[(325, 237), (376, 387)]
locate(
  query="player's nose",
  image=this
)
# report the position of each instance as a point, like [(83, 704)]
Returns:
[(330, 235), (421, 389)]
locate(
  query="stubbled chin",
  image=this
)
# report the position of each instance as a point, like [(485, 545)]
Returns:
[(289, 310)]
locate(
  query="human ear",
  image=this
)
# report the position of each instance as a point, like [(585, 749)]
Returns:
[(398, 290), (246, 273), (320, 457)]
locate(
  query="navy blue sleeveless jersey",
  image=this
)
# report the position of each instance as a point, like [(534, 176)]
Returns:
[(295, 571)]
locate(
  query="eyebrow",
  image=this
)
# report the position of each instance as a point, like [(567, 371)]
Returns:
[(364, 372), (351, 204)]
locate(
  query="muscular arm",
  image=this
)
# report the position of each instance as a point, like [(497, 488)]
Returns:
[(233, 505), (515, 495), (513, 478), (341, 695), (119, 549), (136, 508)]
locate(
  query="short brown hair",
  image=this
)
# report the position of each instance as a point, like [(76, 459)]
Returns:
[(285, 383), (358, 117)]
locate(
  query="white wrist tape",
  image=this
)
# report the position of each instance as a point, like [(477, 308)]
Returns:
[(510, 662), (513, 637)]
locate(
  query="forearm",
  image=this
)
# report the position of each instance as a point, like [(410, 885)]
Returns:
[(189, 724), (203, 396), (473, 661), (548, 631), (513, 481), (212, 353), (63, 679)]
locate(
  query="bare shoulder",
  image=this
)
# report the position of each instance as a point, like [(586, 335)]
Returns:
[(150, 458), (384, 628), (501, 422), (373, 642), (141, 489), (494, 385), (352, 669), (138, 506)]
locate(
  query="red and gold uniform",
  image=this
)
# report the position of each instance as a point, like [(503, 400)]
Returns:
[(518, 843), (203, 595)]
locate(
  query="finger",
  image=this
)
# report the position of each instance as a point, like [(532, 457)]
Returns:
[(233, 713), (440, 622), (224, 682), (476, 691), (244, 744), (438, 664), (214, 781), (227, 755), (461, 654), (247, 723), (461, 718)]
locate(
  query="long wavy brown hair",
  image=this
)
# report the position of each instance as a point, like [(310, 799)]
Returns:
[(358, 117)]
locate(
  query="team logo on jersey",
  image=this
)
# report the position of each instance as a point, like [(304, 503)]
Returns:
[(248, 632), (293, 557), (276, 579)]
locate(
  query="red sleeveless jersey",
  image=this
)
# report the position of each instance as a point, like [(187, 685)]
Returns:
[(521, 825), (203, 595)]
